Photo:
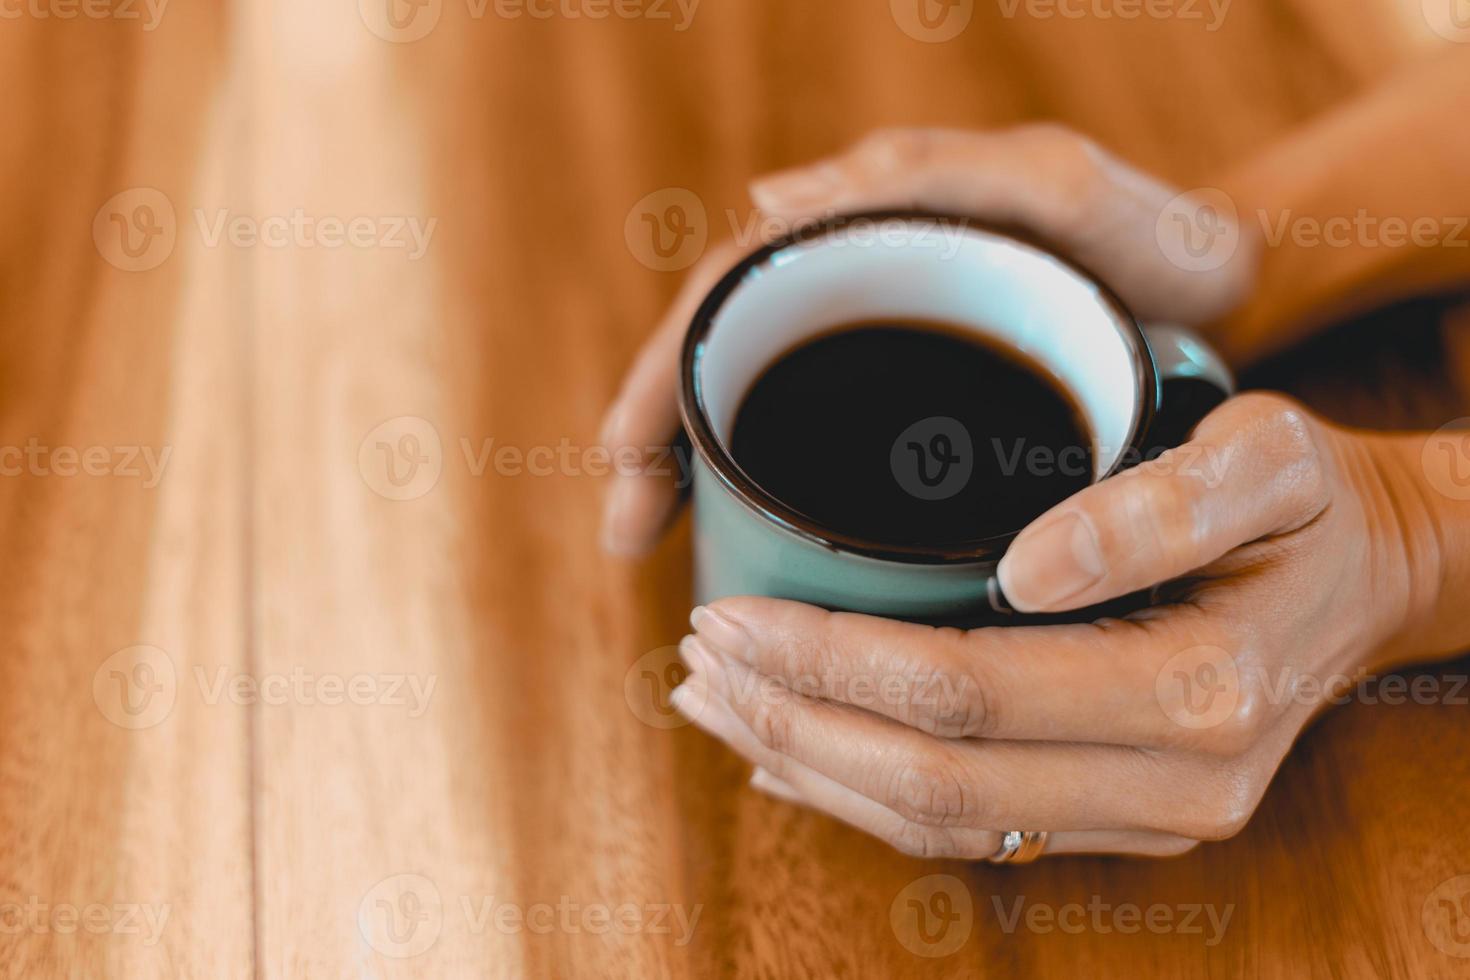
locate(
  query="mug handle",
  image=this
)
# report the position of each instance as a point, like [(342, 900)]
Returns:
[(1193, 381)]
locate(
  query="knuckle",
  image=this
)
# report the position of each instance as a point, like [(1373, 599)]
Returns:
[(954, 707), (894, 148), (1288, 433), (919, 841), (1072, 163), (930, 793), (1165, 511), (957, 700), (810, 663), (773, 725), (1227, 809), (1244, 727), (1057, 138), (796, 645)]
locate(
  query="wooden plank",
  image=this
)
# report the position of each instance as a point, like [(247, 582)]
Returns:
[(125, 844), (446, 758)]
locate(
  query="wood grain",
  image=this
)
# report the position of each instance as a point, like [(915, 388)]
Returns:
[(452, 763)]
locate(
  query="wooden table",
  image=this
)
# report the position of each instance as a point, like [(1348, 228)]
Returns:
[(276, 708)]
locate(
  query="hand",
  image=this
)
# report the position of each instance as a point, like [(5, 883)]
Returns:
[(1062, 187), (1308, 558)]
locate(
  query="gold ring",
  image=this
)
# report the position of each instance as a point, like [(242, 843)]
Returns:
[(1020, 847)]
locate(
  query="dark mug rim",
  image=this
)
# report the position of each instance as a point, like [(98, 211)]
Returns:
[(702, 434)]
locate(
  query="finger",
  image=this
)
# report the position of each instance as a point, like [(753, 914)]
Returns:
[(643, 420), (1094, 682), (802, 785), (1253, 468), (775, 786), (1043, 177), (979, 784)]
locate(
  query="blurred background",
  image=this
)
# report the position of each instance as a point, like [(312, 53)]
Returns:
[(308, 315)]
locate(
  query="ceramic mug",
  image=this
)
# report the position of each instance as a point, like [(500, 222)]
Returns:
[(1140, 390)]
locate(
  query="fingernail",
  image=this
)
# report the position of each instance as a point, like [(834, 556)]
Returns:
[(617, 537), (697, 658), (691, 698), (796, 188), (721, 632), (694, 700), (762, 780), (1051, 564)]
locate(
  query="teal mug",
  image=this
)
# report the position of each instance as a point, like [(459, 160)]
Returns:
[(1140, 389)]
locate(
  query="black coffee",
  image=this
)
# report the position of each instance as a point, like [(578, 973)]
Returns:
[(912, 434)]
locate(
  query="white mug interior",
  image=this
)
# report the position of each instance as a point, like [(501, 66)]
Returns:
[(916, 268)]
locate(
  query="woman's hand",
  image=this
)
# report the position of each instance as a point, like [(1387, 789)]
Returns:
[(1294, 553), (1108, 217), (1305, 565)]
